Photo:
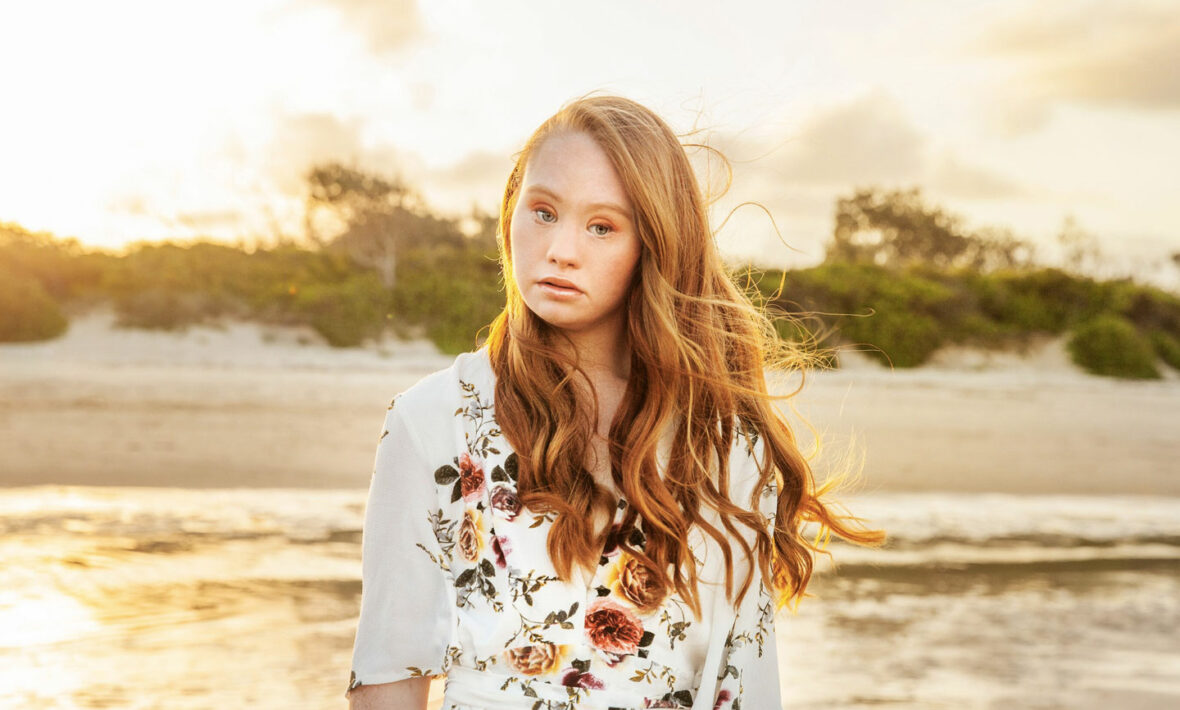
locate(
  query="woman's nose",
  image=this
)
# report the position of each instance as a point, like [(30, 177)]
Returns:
[(563, 248)]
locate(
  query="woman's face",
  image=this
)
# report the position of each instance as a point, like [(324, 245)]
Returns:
[(573, 222)]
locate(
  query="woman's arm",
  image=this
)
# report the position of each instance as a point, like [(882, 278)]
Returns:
[(407, 611), (408, 694)]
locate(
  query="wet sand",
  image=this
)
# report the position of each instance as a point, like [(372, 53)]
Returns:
[(175, 598)]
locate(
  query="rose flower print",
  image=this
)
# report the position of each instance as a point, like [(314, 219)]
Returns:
[(505, 500), (471, 477), (501, 546), (538, 659), (471, 535), (630, 579), (613, 627), (574, 677)]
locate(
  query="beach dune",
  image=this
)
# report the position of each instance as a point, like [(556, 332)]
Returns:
[(255, 406)]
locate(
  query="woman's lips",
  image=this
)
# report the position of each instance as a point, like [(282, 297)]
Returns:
[(558, 290)]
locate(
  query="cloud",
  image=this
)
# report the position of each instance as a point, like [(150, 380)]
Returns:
[(211, 219), (209, 222), (955, 179), (386, 25), (1139, 75), (871, 141), (1106, 54), (478, 173), (301, 141), (422, 96), (865, 140), (133, 205)]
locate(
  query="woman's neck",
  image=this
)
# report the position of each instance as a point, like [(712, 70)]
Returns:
[(604, 353)]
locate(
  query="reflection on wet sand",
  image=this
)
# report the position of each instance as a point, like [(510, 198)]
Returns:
[(146, 598), (984, 636)]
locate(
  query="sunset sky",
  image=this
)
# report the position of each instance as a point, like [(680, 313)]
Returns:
[(150, 120)]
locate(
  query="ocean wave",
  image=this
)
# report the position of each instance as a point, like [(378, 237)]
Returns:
[(922, 527)]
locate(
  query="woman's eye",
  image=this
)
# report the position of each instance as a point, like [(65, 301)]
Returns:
[(548, 217)]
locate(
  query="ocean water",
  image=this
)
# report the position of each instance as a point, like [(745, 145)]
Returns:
[(175, 598)]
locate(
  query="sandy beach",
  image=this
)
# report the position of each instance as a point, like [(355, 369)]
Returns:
[(256, 406), (181, 519)]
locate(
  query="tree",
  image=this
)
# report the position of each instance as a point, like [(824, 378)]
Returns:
[(1080, 251), (375, 219), (896, 229), (482, 233)]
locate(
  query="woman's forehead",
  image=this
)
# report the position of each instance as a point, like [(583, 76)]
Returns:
[(573, 167)]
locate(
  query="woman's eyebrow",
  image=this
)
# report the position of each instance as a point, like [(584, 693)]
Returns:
[(594, 206)]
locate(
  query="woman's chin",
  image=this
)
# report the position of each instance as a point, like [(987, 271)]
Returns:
[(566, 325), (556, 315)]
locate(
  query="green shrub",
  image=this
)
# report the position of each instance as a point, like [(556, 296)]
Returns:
[(1166, 347), (158, 308), (207, 280), (912, 314), (1153, 309), (345, 313), (978, 329), (452, 294), (904, 339), (1110, 345), (63, 268), (1046, 299), (811, 341), (1002, 302), (27, 312)]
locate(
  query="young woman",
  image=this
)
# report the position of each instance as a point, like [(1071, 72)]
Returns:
[(600, 507)]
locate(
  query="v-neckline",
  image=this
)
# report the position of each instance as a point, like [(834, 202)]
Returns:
[(590, 581)]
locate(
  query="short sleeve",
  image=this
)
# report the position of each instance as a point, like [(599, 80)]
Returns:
[(749, 676), (747, 671), (406, 613)]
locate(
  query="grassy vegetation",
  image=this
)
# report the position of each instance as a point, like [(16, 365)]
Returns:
[(904, 315), (27, 312), (398, 268), (1167, 347), (451, 295), (445, 293), (1112, 345)]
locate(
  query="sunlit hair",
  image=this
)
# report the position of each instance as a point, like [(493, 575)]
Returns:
[(700, 351)]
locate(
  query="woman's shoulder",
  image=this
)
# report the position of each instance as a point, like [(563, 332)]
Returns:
[(435, 394)]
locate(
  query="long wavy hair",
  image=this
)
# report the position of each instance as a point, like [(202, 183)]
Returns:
[(700, 352)]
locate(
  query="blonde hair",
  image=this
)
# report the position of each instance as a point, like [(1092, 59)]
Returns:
[(699, 348)]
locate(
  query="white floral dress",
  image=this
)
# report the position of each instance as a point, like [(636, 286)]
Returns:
[(456, 580)]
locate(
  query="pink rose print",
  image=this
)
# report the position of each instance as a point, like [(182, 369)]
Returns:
[(612, 627), (722, 697), (500, 548), (504, 499), (575, 678), (470, 477)]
